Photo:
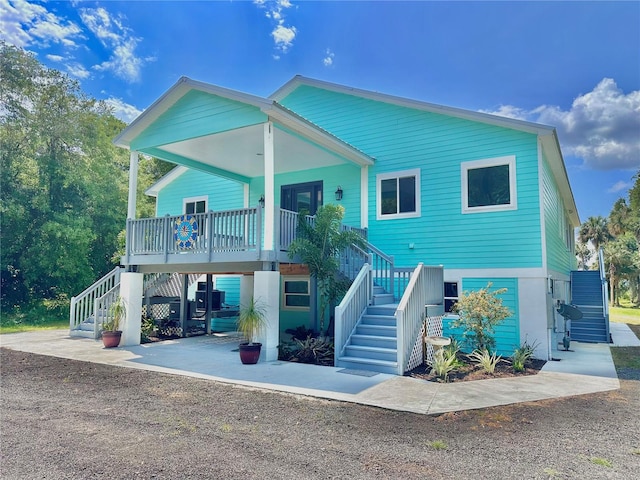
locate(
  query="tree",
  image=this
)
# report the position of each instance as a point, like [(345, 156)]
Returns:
[(480, 311), (623, 262), (64, 184), (619, 218), (595, 230), (318, 244), (584, 254)]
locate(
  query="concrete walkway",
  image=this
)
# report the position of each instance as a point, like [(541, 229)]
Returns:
[(586, 368)]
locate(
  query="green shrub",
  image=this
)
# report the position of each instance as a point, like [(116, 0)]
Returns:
[(486, 360), (522, 355), (479, 313), (443, 363)]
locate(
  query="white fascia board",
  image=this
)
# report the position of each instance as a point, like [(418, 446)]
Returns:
[(487, 118), (307, 129), (171, 96), (551, 146), (166, 179)]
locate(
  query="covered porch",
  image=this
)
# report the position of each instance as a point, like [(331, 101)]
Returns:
[(249, 140)]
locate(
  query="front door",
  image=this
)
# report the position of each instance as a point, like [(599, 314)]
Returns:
[(301, 196)]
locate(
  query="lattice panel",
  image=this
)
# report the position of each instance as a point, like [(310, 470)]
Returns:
[(433, 326), (434, 329)]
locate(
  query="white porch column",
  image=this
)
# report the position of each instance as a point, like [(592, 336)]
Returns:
[(133, 184), (364, 196), (246, 289), (131, 293), (266, 291), (269, 187)]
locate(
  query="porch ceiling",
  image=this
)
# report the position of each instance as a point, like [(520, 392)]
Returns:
[(241, 151)]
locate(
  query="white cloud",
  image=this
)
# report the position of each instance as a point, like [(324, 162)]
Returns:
[(77, 70), (124, 111), (24, 24), (328, 59), (283, 35), (55, 58), (601, 127), (117, 37), (619, 186)]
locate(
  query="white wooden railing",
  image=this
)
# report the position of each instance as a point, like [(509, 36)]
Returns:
[(82, 305), (223, 231), (102, 309), (605, 289), (425, 287), (352, 306)]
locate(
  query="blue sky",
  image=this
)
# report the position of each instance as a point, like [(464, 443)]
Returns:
[(573, 65)]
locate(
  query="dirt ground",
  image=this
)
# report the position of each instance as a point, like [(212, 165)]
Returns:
[(63, 419)]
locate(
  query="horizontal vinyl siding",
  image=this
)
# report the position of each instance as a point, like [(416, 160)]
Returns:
[(197, 114), (507, 333), (223, 194), (347, 176), (401, 138), (559, 258)]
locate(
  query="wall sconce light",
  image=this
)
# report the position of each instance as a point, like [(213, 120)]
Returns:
[(261, 201), (339, 193)]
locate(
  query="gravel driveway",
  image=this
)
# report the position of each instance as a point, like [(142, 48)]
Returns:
[(64, 419)]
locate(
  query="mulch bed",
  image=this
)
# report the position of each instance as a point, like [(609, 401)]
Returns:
[(473, 371)]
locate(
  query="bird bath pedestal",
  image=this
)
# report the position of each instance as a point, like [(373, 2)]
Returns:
[(436, 342)]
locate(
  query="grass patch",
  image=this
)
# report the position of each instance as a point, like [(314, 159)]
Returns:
[(626, 357), (552, 473), (628, 315), (48, 315), (601, 461), (438, 445)]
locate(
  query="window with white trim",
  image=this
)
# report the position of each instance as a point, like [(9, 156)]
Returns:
[(398, 194), (450, 296), (489, 185), (195, 205), (296, 293)]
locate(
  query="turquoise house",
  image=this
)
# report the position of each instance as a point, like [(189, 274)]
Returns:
[(448, 199)]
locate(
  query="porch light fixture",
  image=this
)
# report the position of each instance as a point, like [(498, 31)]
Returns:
[(339, 193), (261, 201)]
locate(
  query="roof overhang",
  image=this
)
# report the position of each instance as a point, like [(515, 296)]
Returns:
[(237, 153)]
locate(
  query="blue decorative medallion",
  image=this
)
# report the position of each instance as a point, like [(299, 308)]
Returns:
[(186, 231)]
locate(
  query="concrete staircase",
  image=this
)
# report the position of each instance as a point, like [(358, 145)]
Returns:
[(586, 294), (373, 345)]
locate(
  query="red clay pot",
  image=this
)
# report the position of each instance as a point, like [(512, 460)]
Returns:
[(250, 353), (111, 339)]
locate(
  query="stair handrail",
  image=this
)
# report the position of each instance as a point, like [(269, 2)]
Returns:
[(426, 286), (351, 308), (81, 306), (102, 309), (605, 290)]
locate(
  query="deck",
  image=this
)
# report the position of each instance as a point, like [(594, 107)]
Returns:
[(225, 238)]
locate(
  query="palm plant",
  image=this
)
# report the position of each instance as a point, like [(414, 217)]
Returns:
[(596, 230), (319, 244)]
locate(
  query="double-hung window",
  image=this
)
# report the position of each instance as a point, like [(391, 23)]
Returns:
[(195, 205), (398, 194), (489, 185), (296, 293)]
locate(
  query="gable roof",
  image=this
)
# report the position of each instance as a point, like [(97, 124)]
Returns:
[(547, 134), (496, 120), (269, 107)]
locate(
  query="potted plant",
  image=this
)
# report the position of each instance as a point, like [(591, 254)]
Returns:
[(251, 319), (111, 332)]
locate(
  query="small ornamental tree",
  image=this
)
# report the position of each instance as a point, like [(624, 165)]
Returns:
[(319, 244), (480, 311)]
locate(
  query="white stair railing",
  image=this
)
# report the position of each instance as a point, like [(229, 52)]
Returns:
[(605, 290), (426, 287), (354, 303), (102, 309), (81, 307)]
